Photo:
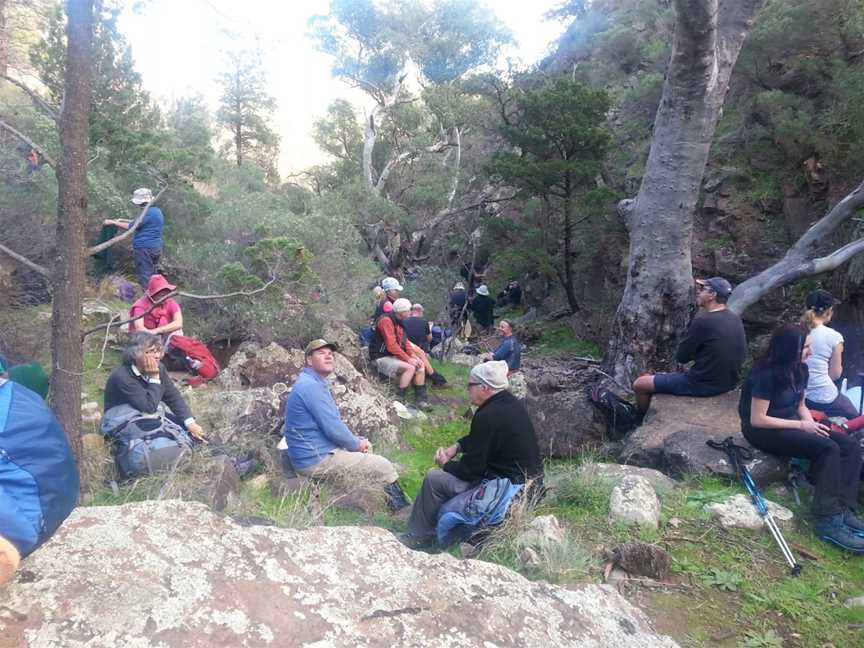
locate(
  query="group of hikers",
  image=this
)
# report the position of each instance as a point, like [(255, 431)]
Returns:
[(786, 400), (783, 408)]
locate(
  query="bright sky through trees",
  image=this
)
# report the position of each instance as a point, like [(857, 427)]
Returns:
[(178, 48)]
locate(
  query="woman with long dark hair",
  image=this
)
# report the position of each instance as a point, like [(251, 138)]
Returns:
[(774, 418)]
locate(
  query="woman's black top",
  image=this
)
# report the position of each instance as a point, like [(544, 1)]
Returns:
[(783, 400)]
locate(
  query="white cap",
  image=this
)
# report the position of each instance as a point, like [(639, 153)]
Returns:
[(142, 196), (401, 305), (492, 374), (391, 283), (483, 290)]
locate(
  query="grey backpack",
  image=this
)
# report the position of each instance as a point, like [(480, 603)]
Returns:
[(144, 444)]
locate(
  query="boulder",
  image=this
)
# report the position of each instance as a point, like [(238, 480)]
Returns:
[(172, 574), (634, 501), (738, 512), (614, 473), (543, 531), (558, 404), (365, 409), (465, 360), (672, 439)]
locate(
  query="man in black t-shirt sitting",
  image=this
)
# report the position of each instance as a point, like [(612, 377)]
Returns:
[(715, 343), (418, 328)]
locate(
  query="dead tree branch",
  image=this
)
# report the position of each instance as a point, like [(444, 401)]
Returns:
[(801, 260), (33, 145), (25, 261), (38, 101)]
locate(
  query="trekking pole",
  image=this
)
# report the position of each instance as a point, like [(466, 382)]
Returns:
[(735, 454)]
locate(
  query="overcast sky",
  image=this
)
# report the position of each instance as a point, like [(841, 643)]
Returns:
[(177, 46)]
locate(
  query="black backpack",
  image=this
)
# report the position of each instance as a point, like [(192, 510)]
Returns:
[(620, 415)]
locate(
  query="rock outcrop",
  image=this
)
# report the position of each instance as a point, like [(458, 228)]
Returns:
[(672, 439), (173, 574), (365, 410), (634, 501)]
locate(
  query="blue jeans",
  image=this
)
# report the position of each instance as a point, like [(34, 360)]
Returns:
[(146, 261)]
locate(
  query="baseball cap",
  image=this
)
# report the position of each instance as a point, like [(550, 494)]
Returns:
[(401, 305), (320, 343), (718, 284), (821, 300), (391, 283), (142, 196)]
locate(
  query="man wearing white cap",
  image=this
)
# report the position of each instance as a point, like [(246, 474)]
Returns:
[(147, 242), (501, 443)]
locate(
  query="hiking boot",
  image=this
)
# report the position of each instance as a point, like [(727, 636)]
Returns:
[(420, 399), (853, 522), (401, 393), (438, 380), (396, 497), (830, 528), (413, 542)]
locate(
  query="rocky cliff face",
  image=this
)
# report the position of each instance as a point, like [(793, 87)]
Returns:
[(173, 574)]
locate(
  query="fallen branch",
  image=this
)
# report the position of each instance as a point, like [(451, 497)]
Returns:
[(25, 261), (96, 249), (104, 342), (38, 101), (33, 145), (238, 293)]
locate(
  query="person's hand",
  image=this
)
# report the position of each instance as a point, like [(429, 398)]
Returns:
[(418, 363), (815, 428), (109, 221), (365, 445), (151, 365), (443, 455), (196, 431)]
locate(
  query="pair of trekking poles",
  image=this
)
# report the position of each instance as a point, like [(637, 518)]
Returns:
[(737, 456)]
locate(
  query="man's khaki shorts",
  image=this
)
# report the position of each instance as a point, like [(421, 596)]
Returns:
[(390, 366)]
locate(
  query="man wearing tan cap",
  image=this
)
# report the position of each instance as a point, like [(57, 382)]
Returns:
[(501, 443), (320, 445)]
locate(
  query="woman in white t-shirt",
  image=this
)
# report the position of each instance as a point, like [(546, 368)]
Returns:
[(825, 363)]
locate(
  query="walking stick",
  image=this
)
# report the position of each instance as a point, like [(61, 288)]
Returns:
[(736, 453)]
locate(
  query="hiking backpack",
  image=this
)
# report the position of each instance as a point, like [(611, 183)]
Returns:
[(196, 355), (144, 444), (620, 415), (39, 481)]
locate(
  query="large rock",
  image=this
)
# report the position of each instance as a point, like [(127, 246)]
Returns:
[(348, 341), (614, 473), (634, 501), (558, 405), (365, 410), (172, 574), (738, 512), (672, 439)]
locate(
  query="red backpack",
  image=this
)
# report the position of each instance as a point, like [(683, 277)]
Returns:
[(198, 357)]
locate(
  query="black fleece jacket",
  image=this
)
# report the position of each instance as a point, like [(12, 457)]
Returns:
[(125, 388), (501, 443)]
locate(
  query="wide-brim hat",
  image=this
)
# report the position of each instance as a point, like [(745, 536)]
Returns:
[(142, 196), (483, 290)]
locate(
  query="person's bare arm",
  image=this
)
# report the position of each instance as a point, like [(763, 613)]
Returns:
[(174, 325), (759, 418), (835, 364), (122, 223)]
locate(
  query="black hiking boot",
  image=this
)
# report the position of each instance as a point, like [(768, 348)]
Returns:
[(438, 380), (396, 497), (401, 394), (830, 528), (853, 522), (416, 542), (420, 399)]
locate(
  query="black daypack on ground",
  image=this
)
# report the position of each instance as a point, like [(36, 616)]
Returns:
[(620, 415)]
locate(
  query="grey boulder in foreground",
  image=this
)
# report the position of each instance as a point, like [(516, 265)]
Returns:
[(170, 574)]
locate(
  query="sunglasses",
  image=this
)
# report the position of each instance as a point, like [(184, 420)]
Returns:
[(470, 385)]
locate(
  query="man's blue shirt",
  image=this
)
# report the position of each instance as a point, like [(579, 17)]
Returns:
[(148, 236), (313, 427), (511, 351)]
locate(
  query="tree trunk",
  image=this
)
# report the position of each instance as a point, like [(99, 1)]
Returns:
[(569, 290), (4, 39), (68, 276), (655, 307)]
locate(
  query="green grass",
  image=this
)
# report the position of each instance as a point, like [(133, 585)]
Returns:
[(558, 337)]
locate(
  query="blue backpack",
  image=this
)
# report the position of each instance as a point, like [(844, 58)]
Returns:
[(484, 505), (39, 481)]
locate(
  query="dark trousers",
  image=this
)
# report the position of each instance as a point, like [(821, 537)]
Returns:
[(146, 262), (835, 463), (438, 487), (840, 406)]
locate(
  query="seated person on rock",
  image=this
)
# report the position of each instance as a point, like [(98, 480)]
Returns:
[(39, 482), (501, 443), (716, 344), (395, 356), (509, 350), (419, 332), (775, 418), (320, 445), (166, 318), (143, 383), (825, 364)]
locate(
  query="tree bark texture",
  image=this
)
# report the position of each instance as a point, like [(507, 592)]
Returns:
[(801, 260), (68, 275), (655, 307)]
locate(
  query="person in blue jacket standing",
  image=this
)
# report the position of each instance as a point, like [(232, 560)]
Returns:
[(39, 481), (147, 242)]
